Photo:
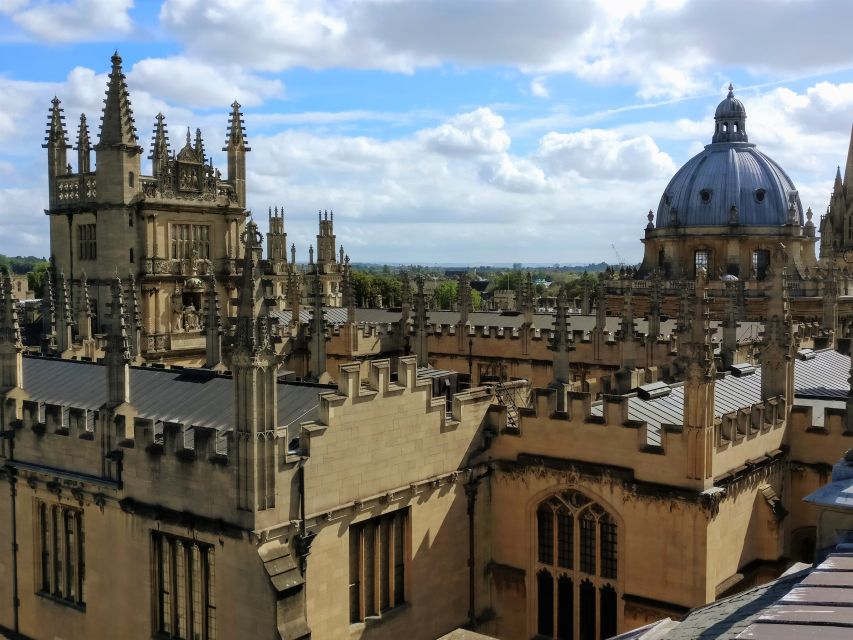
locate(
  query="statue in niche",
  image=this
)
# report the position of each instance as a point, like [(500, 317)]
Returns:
[(191, 319)]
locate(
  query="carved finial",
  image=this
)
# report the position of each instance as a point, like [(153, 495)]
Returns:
[(651, 219), (236, 138), (731, 91), (117, 124)]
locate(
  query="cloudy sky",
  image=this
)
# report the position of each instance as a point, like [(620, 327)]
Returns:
[(464, 131)]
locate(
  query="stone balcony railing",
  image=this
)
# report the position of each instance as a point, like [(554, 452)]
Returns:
[(77, 188)]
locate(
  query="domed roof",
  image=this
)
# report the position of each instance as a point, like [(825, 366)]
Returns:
[(730, 107), (730, 182)]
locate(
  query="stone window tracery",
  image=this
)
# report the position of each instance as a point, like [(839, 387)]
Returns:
[(702, 260), (576, 569), (61, 559), (190, 240)]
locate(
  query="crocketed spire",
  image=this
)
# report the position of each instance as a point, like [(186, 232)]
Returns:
[(55, 133), (236, 137), (159, 146), (117, 123), (84, 146)]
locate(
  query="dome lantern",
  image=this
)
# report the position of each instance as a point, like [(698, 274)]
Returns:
[(730, 120)]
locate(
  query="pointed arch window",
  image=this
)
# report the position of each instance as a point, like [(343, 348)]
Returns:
[(576, 569)]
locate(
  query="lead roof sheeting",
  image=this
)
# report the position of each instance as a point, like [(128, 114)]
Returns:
[(824, 378), (181, 396)]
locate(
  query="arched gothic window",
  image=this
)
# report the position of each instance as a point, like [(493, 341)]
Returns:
[(576, 569)]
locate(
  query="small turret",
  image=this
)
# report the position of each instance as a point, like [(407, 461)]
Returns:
[(84, 147), (326, 240), (236, 148), (57, 147), (276, 240)]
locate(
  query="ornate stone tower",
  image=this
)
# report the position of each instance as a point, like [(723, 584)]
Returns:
[(168, 230)]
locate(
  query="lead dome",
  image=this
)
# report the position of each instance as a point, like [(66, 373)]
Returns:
[(730, 181)]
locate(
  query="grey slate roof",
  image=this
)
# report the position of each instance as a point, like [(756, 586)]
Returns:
[(727, 618), (824, 378), (190, 396)]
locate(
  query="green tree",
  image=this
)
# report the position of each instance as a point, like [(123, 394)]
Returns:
[(445, 296), (36, 277)]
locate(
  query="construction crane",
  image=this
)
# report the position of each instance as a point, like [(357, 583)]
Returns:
[(618, 256)]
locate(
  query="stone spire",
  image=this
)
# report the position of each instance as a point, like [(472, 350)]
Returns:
[(294, 298), (848, 168), (118, 128), (118, 151), (526, 302), (84, 147), (347, 291), (318, 330), (63, 315), (254, 364), (48, 314), (198, 147), (236, 148), (777, 346), (83, 310), (213, 328), (829, 294), (252, 333), (599, 331), (628, 365), (134, 323), (405, 302), (464, 302), (586, 307), (421, 320), (11, 346), (560, 340), (159, 147), (728, 348), (697, 362), (57, 145), (655, 300), (293, 253), (117, 353)]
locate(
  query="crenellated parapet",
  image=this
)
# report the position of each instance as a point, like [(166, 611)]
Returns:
[(383, 417)]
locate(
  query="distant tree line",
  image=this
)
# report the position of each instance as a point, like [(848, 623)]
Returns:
[(34, 268)]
